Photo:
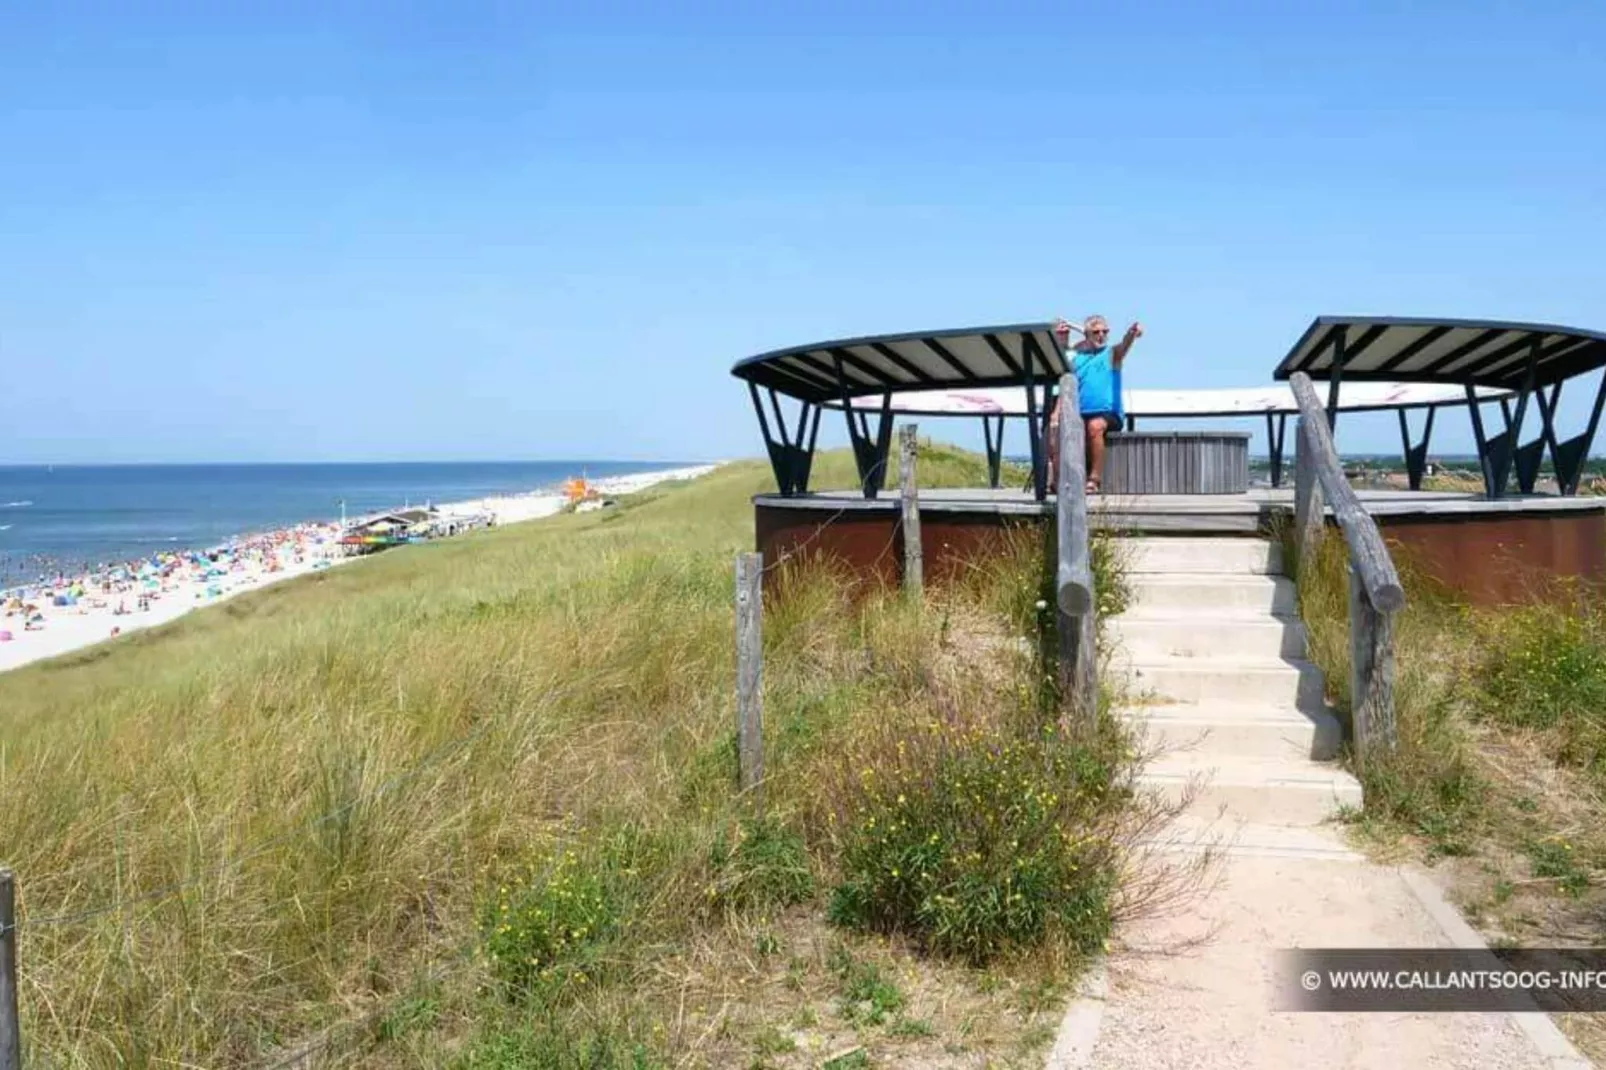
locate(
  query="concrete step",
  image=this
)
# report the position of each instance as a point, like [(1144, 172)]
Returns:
[(1191, 834), (1265, 792), (1234, 731), (1168, 633), (1237, 681), (1226, 556), (1213, 593)]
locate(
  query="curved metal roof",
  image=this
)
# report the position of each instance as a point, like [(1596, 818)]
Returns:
[(1477, 352), (1252, 401), (921, 360)]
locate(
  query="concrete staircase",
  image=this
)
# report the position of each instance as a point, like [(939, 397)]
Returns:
[(1213, 650)]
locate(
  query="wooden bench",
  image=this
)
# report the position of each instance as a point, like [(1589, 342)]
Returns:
[(1176, 462)]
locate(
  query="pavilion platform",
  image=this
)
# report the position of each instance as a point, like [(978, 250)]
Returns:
[(1494, 547), (1491, 551)]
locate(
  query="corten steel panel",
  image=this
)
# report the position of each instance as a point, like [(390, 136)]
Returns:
[(870, 543), (1496, 559)]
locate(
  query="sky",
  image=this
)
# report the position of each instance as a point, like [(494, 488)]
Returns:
[(341, 231)]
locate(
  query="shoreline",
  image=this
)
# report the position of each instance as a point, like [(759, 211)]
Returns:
[(116, 600)]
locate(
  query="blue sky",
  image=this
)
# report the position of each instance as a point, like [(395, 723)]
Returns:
[(299, 231)]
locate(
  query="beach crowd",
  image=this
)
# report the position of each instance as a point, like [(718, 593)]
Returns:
[(136, 588)]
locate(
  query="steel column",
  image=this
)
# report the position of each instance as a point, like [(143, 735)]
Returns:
[(1339, 357), (1416, 457), (1274, 445), (1489, 489), (995, 448), (1570, 455)]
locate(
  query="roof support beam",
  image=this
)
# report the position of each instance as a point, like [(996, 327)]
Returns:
[(1001, 351), (1340, 358), (1364, 342), (1416, 457), (1497, 355), (1034, 430), (828, 372), (1569, 456), (1575, 362), (1547, 438), (1531, 455), (817, 386), (909, 366), (995, 448), (1274, 443), (1489, 489), (869, 451), (865, 367), (948, 357), (1477, 342), (1427, 338), (790, 460), (1507, 442)]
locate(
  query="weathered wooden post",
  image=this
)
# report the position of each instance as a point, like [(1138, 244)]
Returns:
[(1309, 508), (1375, 592), (914, 557), (750, 675), (10, 1026), (1371, 638), (1078, 658)]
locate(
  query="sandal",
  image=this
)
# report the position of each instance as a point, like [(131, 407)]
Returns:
[(1092, 486)]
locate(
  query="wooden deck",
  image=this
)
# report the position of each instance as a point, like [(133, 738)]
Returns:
[(1191, 513)]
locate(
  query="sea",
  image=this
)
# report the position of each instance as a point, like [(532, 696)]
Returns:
[(67, 518)]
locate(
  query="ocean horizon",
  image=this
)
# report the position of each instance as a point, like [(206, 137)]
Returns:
[(69, 518)]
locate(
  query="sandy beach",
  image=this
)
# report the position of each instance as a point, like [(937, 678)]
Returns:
[(49, 619)]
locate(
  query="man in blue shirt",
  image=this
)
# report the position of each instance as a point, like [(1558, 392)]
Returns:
[(1097, 365)]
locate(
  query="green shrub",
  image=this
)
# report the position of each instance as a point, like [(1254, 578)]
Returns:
[(544, 929), (763, 866), (973, 841), (866, 995), (1554, 858)]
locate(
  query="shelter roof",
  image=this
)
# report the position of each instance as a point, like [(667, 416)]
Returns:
[(1253, 401), (1480, 352), (970, 358)]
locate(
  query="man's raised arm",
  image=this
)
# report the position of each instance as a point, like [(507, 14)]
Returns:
[(1133, 333)]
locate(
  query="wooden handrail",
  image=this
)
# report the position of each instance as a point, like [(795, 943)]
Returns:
[(1368, 552), (1075, 584), (1074, 577), (1375, 593)]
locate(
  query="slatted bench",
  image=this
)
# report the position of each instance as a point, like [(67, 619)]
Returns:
[(1176, 462)]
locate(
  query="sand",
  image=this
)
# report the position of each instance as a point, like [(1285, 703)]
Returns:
[(192, 579)]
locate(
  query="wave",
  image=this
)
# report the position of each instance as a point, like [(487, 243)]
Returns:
[(5, 527), (15, 505)]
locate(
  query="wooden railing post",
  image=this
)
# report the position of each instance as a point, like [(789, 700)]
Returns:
[(750, 675), (10, 1025), (1310, 511), (1375, 593), (1371, 636), (914, 558), (1078, 624)]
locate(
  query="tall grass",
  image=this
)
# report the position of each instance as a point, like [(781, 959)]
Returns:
[(1537, 668), (467, 794)]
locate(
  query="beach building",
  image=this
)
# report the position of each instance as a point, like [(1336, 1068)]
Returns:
[(385, 530)]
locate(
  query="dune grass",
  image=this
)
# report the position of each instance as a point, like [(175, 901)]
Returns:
[(471, 804), (1500, 777)]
